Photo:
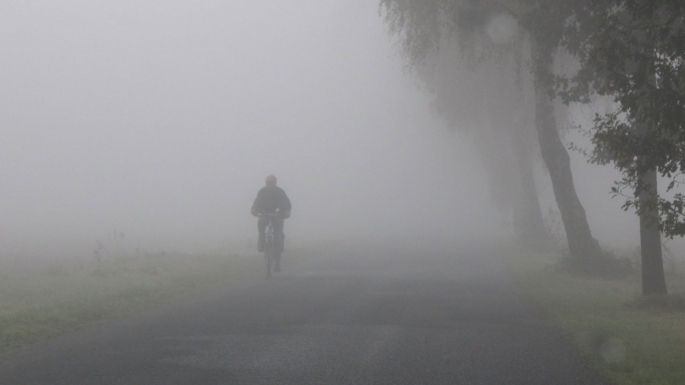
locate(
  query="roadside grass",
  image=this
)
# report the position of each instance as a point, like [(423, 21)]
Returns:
[(629, 343), (54, 299)]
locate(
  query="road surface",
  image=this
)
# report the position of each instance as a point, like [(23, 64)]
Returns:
[(358, 315)]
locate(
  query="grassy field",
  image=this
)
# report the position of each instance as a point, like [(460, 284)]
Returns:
[(48, 300), (629, 343)]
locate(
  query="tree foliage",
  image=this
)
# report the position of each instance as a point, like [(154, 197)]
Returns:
[(423, 25), (472, 60), (632, 51)]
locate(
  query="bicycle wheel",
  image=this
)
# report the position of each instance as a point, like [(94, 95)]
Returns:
[(269, 249), (267, 256)]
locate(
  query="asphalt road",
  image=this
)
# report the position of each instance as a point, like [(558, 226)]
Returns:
[(362, 315)]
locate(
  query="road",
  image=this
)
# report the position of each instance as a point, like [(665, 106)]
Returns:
[(358, 315)]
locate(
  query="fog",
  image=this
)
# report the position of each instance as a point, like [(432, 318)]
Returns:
[(160, 120)]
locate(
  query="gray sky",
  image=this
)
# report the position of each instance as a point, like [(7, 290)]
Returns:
[(161, 119)]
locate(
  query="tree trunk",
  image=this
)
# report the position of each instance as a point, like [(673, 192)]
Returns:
[(653, 278), (529, 226), (582, 246)]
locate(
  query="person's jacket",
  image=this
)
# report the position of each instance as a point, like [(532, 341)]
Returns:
[(270, 199)]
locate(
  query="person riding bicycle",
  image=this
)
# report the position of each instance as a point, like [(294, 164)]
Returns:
[(270, 200)]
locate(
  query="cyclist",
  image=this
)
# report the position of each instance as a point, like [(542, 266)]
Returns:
[(271, 199)]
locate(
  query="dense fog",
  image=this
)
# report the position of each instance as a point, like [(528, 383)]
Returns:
[(161, 119)]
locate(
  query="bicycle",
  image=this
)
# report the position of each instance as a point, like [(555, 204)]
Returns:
[(270, 252)]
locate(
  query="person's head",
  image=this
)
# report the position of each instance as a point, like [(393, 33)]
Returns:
[(270, 181)]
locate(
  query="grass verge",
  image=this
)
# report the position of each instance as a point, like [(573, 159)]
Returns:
[(627, 339), (48, 301)]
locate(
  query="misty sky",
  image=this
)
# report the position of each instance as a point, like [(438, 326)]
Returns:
[(161, 119)]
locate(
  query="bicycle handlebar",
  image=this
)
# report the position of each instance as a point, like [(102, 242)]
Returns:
[(270, 215)]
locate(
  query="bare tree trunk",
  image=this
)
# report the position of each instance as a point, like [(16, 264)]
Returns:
[(582, 246), (653, 278)]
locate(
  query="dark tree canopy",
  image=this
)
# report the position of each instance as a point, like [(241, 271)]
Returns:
[(633, 51)]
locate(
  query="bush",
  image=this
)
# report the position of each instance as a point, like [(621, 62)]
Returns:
[(605, 265)]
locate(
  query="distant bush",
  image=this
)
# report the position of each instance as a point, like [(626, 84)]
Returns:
[(605, 265)]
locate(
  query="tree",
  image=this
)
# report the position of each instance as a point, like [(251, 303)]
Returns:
[(633, 50), (423, 24), (488, 99)]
